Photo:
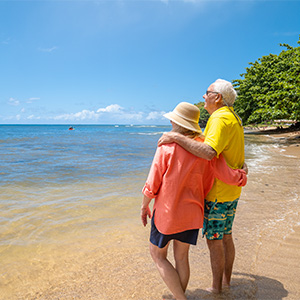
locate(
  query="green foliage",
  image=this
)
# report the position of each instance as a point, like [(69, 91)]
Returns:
[(204, 115), (270, 88)]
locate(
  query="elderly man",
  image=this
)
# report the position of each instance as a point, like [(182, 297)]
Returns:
[(223, 134)]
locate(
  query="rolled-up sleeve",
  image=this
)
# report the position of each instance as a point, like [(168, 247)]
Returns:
[(157, 171)]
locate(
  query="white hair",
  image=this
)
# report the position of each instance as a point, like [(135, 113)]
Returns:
[(225, 88), (184, 131)]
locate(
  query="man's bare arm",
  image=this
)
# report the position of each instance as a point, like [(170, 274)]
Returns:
[(198, 149)]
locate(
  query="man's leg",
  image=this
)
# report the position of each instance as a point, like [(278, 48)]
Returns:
[(217, 261), (181, 256), (229, 252), (229, 249), (167, 271)]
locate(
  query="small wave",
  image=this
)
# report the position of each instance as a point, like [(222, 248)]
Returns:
[(147, 133), (146, 126), (291, 156)]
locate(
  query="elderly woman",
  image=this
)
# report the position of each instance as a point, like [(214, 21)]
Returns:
[(179, 182)]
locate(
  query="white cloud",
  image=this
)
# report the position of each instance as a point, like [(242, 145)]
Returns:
[(111, 114), (13, 102), (48, 49), (134, 116), (113, 108), (33, 117), (155, 115), (30, 100), (111, 111), (79, 116)]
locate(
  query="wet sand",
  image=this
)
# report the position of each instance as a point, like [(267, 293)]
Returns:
[(118, 265)]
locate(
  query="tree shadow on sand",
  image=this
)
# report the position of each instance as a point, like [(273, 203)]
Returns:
[(244, 286)]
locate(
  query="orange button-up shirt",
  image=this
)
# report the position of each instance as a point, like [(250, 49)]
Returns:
[(179, 182)]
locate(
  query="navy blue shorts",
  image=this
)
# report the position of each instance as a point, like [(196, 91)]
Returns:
[(161, 240)]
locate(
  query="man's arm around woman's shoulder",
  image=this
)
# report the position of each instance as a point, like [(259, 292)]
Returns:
[(195, 147)]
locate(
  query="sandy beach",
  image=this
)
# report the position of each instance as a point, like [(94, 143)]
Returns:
[(118, 266)]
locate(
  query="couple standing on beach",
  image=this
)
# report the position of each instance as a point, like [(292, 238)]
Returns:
[(196, 182)]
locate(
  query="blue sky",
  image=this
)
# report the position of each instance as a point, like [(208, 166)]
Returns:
[(125, 61)]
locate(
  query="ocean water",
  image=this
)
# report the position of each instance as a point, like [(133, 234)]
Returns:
[(66, 193), (68, 177), (50, 155)]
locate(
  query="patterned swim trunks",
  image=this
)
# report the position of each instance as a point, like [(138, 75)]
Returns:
[(218, 218)]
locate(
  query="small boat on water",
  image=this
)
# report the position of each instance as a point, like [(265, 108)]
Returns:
[(71, 128)]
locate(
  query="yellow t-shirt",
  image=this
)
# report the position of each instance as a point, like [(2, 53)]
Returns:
[(225, 135)]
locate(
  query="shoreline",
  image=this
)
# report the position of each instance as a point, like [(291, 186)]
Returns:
[(266, 243), (283, 135), (113, 262)]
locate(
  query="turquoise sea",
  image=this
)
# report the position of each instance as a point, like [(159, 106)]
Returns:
[(52, 155), (66, 193)]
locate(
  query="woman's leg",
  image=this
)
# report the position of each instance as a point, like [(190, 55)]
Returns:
[(167, 271), (181, 255)]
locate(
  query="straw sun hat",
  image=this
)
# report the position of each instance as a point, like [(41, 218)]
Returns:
[(185, 115)]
